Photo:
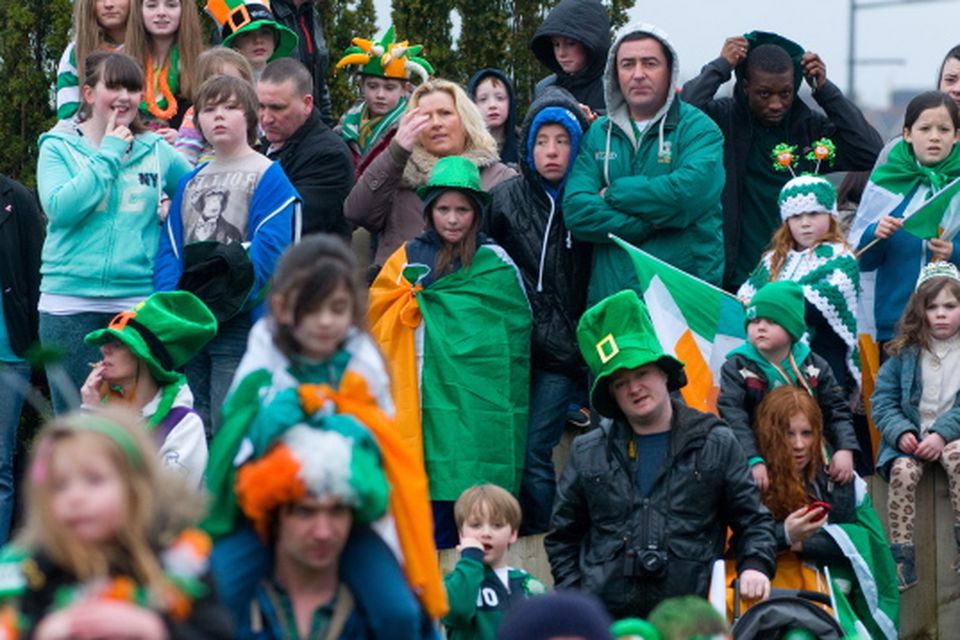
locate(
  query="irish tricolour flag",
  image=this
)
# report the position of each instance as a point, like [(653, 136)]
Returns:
[(695, 321)]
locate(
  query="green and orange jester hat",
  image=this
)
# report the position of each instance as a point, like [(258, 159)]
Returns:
[(387, 58)]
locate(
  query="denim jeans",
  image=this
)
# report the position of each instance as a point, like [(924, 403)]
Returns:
[(210, 372), (550, 395), (14, 378), (68, 373)]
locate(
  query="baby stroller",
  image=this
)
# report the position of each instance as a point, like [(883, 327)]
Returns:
[(787, 613)]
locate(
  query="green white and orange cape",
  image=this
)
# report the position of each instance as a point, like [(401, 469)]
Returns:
[(458, 349)]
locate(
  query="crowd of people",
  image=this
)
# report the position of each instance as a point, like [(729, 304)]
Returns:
[(257, 436)]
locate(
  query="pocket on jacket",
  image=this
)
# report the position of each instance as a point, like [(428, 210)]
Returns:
[(603, 572), (600, 552), (608, 497)]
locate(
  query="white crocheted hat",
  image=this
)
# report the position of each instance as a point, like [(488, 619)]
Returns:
[(807, 194)]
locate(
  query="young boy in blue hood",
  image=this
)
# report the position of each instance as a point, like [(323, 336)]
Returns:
[(526, 219)]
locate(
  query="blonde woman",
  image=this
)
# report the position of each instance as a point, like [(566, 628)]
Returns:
[(440, 121)]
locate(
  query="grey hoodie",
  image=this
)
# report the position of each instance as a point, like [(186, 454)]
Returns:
[(617, 109)]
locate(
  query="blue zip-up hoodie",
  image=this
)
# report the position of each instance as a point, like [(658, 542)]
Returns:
[(273, 223), (101, 204)]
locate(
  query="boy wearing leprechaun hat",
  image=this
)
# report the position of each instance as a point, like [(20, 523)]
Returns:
[(249, 27), (776, 354), (645, 501), (384, 69), (142, 349)]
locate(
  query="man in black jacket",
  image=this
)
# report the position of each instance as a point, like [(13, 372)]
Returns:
[(644, 503), (315, 159), (764, 112)]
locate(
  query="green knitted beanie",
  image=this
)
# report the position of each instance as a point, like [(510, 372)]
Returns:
[(780, 302)]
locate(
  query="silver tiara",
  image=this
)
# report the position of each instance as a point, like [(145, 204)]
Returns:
[(938, 269)]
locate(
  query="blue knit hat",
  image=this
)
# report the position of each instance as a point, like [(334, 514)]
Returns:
[(563, 117)]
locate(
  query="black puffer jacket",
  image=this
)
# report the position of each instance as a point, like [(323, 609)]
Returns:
[(587, 22), (704, 487), (523, 218), (743, 386)]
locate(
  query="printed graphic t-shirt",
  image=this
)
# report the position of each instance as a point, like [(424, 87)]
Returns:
[(216, 202)]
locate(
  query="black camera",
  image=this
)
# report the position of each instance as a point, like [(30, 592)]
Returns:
[(645, 563)]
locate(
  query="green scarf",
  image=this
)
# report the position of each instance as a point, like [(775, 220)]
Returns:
[(356, 126), (830, 276), (800, 351), (901, 173)]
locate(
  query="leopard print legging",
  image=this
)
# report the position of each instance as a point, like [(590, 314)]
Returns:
[(902, 499)]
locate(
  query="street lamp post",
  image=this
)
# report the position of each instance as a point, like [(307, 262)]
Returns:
[(852, 60)]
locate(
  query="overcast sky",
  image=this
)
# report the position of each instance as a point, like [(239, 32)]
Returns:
[(919, 35)]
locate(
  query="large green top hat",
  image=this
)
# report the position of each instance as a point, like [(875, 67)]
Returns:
[(165, 331), (614, 334), (454, 172), (387, 58), (241, 16)]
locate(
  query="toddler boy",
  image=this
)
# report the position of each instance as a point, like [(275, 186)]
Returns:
[(482, 587), (774, 355)]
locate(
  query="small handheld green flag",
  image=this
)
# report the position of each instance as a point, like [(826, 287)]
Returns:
[(931, 219)]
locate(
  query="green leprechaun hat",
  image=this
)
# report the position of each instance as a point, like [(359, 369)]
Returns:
[(616, 333), (454, 172), (165, 331), (242, 16), (387, 58)]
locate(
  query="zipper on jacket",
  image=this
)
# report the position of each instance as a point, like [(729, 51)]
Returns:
[(546, 240)]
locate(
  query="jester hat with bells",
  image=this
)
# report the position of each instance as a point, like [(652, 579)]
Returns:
[(387, 58)]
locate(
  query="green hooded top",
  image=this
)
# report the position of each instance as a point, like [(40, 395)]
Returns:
[(663, 186)]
